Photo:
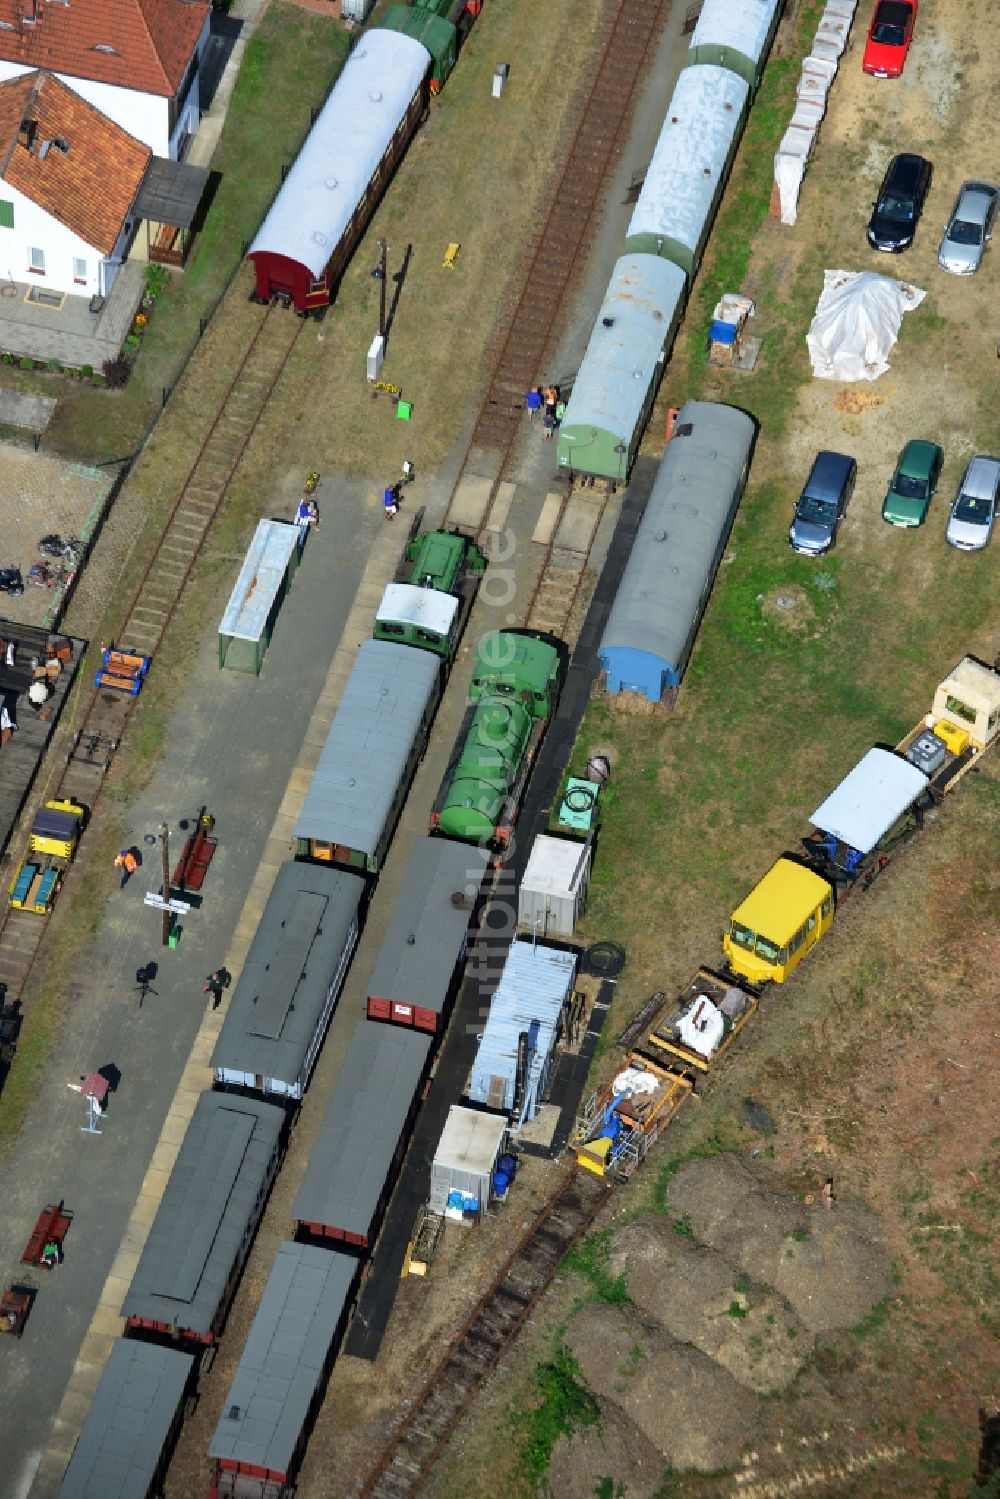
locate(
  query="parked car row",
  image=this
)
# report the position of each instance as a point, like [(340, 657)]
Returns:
[(826, 494)]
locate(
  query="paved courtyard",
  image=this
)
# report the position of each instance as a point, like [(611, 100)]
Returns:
[(70, 333)]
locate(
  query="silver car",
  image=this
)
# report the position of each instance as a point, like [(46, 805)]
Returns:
[(969, 228), (974, 508)]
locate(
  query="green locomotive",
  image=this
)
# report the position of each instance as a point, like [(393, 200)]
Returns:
[(429, 601), (439, 25), (511, 699)]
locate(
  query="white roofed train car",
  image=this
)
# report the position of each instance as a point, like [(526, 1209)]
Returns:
[(877, 806), (676, 207), (326, 200), (736, 34)]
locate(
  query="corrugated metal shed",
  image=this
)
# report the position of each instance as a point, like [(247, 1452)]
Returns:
[(213, 1199), (286, 992), (285, 1360), (535, 984), (354, 129), (466, 1155), (674, 211), (735, 36), (368, 750), (427, 933), (120, 1450), (618, 378), (676, 553), (874, 795), (354, 1155)]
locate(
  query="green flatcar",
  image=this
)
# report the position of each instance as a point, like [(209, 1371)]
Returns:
[(513, 695), (429, 602)]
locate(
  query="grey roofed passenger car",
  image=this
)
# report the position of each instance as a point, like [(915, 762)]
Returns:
[(822, 503), (974, 508), (969, 227)]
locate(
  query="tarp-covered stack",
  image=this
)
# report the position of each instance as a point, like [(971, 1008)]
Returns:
[(818, 71)]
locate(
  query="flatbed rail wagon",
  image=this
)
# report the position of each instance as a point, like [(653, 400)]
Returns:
[(696, 1027), (622, 1121)]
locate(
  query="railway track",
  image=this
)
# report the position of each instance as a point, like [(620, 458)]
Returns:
[(556, 251), (477, 1348), (101, 716), (557, 591)]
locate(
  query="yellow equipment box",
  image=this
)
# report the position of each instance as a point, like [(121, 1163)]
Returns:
[(955, 738)]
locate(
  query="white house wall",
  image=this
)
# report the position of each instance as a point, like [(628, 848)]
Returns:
[(146, 116), (34, 228)]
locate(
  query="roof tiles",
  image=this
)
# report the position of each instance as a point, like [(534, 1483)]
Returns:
[(144, 45), (89, 187)]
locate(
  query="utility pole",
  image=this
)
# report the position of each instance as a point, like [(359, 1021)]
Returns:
[(167, 914)]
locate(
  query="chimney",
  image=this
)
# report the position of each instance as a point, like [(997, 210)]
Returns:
[(26, 133)]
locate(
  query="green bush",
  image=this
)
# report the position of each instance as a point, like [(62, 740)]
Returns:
[(157, 277), (26, 363), (565, 1404), (53, 366), (130, 344), (86, 372), (7, 358)]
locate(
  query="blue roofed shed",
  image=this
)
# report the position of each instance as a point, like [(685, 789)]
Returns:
[(614, 390), (676, 553), (675, 210), (536, 982)]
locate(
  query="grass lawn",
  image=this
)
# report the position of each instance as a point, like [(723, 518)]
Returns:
[(289, 64)]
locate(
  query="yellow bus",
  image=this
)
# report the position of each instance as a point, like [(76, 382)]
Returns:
[(782, 918)]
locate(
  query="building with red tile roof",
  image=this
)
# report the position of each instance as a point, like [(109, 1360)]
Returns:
[(136, 60), (69, 178)]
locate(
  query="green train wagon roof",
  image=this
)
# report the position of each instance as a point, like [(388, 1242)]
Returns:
[(422, 26), (437, 559), (514, 660)]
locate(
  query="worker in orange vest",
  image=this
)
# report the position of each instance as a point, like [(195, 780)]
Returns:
[(127, 862)]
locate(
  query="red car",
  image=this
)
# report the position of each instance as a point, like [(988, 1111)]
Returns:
[(889, 37)]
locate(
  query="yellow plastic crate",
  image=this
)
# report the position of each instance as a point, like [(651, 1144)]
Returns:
[(955, 738)]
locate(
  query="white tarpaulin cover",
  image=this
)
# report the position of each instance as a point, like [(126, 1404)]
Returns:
[(856, 324), (701, 1026), (633, 1080), (870, 799)]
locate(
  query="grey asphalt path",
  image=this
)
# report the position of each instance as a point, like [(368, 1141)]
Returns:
[(231, 742)]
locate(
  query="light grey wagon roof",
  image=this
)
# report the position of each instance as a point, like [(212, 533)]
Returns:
[(286, 977), (354, 129), (874, 795), (357, 1141), (420, 972), (354, 785), (134, 1406), (284, 1360), (702, 123), (639, 309), (210, 1200), (659, 598), (741, 28)]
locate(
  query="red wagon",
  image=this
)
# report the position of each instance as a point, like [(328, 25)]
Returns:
[(50, 1228)]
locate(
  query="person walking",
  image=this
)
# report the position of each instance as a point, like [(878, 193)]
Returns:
[(391, 498), (218, 980), (533, 401), (551, 395), (127, 862), (306, 518)]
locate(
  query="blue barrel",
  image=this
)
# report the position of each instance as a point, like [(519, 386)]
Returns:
[(501, 1181), (507, 1164)]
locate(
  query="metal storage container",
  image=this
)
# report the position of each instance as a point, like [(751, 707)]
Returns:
[(465, 1157), (553, 893), (927, 752)]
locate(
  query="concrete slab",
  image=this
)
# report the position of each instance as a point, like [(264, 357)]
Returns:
[(547, 520), (72, 334), (579, 522), (19, 409), (500, 508), (472, 498)]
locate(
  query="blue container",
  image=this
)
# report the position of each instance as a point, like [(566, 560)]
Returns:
[(508, 1165), (501, 1181)]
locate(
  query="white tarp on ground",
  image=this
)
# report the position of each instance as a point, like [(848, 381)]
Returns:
[(856, 324), (789, 166)]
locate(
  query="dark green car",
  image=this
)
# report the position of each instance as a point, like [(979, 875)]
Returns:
[(913, 483)]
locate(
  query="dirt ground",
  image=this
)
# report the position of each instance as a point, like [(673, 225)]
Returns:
[(42, 494)]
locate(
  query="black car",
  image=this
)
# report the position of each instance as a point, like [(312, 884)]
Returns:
[(822, 503), (899, 204)]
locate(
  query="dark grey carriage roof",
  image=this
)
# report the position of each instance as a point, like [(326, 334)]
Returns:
[(210, 1199), (286, 978), (359, 1135), (129, 1420), (368, 746), (419, 973), (282, 1367), (660, 594)]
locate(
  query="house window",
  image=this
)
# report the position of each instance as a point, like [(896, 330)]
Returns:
[(36, 261), (6, 214), (80, 272)]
